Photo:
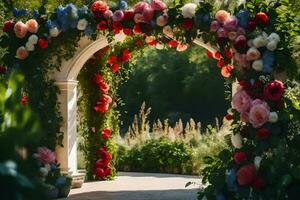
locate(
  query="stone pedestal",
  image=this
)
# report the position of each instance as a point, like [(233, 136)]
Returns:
[(67, 155)]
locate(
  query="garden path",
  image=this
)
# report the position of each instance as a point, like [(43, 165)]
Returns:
[(139, 186)]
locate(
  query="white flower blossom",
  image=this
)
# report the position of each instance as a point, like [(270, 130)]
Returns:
[(189, 10), (82, 24), (236, 140), (54, 32), (273, 117), (29, 46), (33, 39), (257, 65)]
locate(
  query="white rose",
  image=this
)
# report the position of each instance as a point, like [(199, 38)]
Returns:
[(33, 39), (159, 46), (48, 166), (257, 65), (273, 117), (189, 10), (29, 46), (260, 41), (167, 30), (253, 54), (54, 32), (236, 140), (44, 171), (272, 45), (250, 43), (82, 24), (274, 37), (257, 161)]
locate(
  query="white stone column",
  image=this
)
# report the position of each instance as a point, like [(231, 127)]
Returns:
[(67, 155)]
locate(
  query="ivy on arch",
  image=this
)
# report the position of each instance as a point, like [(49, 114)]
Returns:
[(252, 49)]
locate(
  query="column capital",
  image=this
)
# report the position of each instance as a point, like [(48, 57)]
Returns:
[(66, 85)]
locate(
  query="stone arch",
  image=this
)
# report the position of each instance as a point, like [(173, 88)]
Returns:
[(66, 80)]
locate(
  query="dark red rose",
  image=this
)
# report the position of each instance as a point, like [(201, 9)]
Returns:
[(187, 24), (262, 18), (125, 55), (137, 28), (229, 117), (239, 157), (117, 26), (101, 163), (246, 174), (43, 43), (128, 15), (8, 25), (107, 171), (115, 67), (251, 25), (99, 7), (220, 63), (228, 53), (24, 100), (2, 70), (127, 31), (217, 55), (209, 54), (99, 172), (240, 43), (173, 43), (106, 132), (259, 184), (112, 59), (263, 133), (102, 25), (274, 90)]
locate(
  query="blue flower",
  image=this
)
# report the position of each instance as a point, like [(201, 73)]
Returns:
[(83, 10), (243, 17), (61, 181), (53, 167), (51, 24), (88, 31), (67, 16), (268, 61), (19, 12), (230, 179), (35, 13), (16, 12), (123, 5)]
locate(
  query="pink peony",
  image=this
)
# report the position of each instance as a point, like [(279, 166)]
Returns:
[(118, 16), (241, 101), (222, 33), (45, 155), (20, 29), (259, 113), (222, 15), (22, 53), (214, 26), (231, 24), (32, 26), (158, 5)]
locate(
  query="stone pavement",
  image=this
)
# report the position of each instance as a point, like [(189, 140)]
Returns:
[(139, 186)]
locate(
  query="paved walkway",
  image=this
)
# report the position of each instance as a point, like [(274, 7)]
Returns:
[(139, 186)]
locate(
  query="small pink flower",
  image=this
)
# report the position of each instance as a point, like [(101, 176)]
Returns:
[(158, 5), (32, 26), (222, 15), (22, 53), (45, 155), (241, 101), (108, 14), (162, 20), (214, 26), (182, 47), (20, 29), (259, 113), (231, 23), (118, 16), (222, 33), (253, 54)]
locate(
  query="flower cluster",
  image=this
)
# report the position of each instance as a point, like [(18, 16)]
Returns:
[(102, 168), (115, 62), (46, 160)]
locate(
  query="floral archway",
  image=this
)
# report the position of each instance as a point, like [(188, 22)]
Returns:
[(249, 43)]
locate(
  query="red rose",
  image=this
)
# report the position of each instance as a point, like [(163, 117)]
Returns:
[(112, 59), (251, 25), (99, 7), (240, 42), (274, 90), (127, 31), (99, 173), (139, 42), (125, 56), (209, 54), (106, 132), (43, 43), (246, 174), (128, 15), (187, 24), (24, 100), (102, 25), (8, 25), (105, 99), (101, 107), (259, 184), (229, 117), (2, 70), (104, 87), (105, 49), (263, 133), (217, 55), (98, 79), (107, 171), (226, 71), (115, 67), (228, 53), (262, 18), (220, 63), (239, 157), (137, 28), (101, 163), (173, 43), (117, 26)]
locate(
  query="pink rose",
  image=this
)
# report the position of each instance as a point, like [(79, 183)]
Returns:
[(32, 26), (214, 26), (222, 15), (139, 7), (22, 53), (222, 33), (45, 155), (253, 54), (118, 16), (158, 5), (20, 29), (241, 60), (241, 101), (108, 14), (148, 14), (231, 23), (259, 113), (162, 20)]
